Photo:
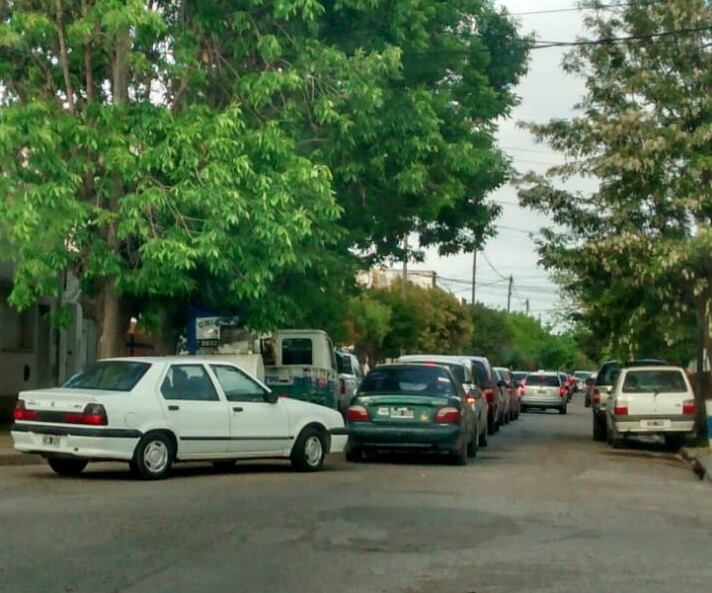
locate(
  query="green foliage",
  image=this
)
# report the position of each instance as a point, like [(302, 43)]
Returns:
[(637, 251)]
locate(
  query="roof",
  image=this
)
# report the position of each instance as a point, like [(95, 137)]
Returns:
[(446, 358), (647, 367)]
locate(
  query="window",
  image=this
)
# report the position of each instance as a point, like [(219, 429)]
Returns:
[(482, 375), (543, 380), (654, 382), (297, 351), (343, 364), (237, 386), (413, 380), (112, 375), (188, 382)]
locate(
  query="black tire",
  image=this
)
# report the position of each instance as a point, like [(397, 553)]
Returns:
[(154, 456), (459, 457), (491, 424), (225, 465), (309, 450), (562, 410), (473, 445), (354, 455), (674, 441), (523, 409), (483, 438), (66, 466), (599, 429), (506, 417)]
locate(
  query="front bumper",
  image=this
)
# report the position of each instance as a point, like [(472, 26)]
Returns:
[(75, 442), (364, 435)]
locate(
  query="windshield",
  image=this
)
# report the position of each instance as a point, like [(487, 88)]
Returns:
[(114, 375), (413, 380), (518, 376), (654, 382), (343, 364), (543, 380)]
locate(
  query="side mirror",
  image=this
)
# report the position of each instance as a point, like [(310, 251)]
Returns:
[(271, 397)]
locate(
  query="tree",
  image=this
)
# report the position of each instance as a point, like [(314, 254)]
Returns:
[(637, 251)]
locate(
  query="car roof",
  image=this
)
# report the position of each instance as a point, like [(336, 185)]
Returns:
[(445, 358), (186, 359), (549, 373), (648, 367)]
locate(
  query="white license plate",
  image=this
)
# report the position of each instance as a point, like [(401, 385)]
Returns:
[(406, 413), (655, 423), (51, 440)]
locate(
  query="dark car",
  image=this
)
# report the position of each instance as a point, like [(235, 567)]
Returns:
[(414, 407), (511, 390), (493, 392), (605, 380)]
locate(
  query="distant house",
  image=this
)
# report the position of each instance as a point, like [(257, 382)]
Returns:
[(385, 277)]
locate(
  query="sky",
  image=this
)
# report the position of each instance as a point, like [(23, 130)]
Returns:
[(546, 92)]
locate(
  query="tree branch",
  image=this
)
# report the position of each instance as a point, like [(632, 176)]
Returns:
[(88, 58), (63, 54)]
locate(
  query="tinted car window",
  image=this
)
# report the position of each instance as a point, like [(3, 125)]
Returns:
[(297, 351), (543, 380), (114, 375), (188, 382), (413, 380), (519, 376), (482, 375), (343, 364), (654, 382)]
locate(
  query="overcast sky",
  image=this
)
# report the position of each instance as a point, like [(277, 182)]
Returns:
[(545, 93)]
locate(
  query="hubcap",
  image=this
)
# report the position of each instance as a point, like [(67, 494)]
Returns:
[(155, 456), (313, 450)]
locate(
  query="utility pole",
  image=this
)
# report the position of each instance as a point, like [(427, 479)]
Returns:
[(474, 275), (405, 265), (509, 293), (527, 307)]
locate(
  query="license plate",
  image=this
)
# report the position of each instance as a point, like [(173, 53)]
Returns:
[(51, 440), (655, 423), (406, 413)]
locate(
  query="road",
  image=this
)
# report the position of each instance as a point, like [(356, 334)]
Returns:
[(543, 509)]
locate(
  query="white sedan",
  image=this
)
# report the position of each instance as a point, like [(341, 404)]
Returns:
[(153, 411)]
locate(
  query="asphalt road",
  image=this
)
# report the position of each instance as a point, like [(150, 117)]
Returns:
[(543, 509)]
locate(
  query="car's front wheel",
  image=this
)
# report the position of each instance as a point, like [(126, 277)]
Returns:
[(153, 456), (67, 467), (309, 451)]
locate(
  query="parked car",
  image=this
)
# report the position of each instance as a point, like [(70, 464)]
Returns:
[(580, 378), (590, 383), (462, 368), (511, 391), (415, 407), (154, 411), (350, 377), (544, 390), (605, 379), (493, 393), (564, 378), (519, 377), (652, 400)]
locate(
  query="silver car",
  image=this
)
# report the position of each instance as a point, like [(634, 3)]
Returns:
[(544, 390), (350, 377)]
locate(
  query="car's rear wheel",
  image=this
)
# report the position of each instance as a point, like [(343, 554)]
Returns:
[(674, 441), (67, 467), (483, 438), (153, 456), (473, 445), (524, 409), (599, 429), (459, 456), (491, 424), (562, 410), (309, 450)]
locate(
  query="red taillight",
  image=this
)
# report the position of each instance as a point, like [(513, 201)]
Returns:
[(447, 416), (22, 413), (621, 409), (688, 407), (596, 396), (93, 414), (489, 395), (470, 399), (522, 391), (342, 387), (357, 414), (562, 391)]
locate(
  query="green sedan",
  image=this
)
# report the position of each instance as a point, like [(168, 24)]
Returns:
[(415, 407)]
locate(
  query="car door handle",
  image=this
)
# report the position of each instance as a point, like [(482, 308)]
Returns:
[(174, 408), (238, 409)]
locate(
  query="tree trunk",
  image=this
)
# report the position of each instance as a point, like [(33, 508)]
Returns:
[(109, 321), (704, 345)]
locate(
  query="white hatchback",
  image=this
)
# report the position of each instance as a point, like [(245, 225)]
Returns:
[(153, 411), (651, 400)]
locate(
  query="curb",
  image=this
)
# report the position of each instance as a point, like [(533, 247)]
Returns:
[(701, 465)]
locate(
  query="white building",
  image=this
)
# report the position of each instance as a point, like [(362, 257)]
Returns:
[(385, 277)]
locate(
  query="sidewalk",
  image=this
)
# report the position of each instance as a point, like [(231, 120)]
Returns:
[(700, 459), (8, 455)]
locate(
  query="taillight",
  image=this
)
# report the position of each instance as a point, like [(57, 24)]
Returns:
[(620, 409), (357, 414), (522, 391), (562, 391), (93, 414), (447, 415), (688, 407), (489, 395), (342, 387), (596, 396), (22, 413), (470, 399)]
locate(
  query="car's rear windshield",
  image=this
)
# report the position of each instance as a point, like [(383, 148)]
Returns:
[(654, 382), (582, 375), (110, 375), (413, 380), (482, 376), (343, 364), (519, 376), (608, 373), (456, 369), (543, 380)]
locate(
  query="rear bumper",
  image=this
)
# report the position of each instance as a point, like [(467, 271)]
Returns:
[(542, 402), (445, 437), (80, 442), (636, 425)]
